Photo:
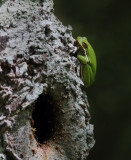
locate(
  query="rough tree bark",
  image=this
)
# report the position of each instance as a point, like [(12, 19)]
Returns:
[(36, 61)]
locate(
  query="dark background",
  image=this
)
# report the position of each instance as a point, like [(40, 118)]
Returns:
[(107, 24)]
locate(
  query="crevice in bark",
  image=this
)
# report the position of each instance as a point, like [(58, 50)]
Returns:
[(44, 118), (3, 42)]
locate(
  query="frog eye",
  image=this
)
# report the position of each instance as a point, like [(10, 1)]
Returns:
[(84, 44)]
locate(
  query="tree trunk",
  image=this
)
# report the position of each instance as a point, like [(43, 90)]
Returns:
[(43, 106)]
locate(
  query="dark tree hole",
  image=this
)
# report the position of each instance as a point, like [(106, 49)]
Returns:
[(44, 118)]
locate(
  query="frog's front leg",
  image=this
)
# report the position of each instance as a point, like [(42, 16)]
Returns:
[(83, 59)]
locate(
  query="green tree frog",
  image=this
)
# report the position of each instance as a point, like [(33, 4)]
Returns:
[(87, 58)]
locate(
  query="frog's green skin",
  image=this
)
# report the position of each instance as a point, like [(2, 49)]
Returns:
[(87, 58)]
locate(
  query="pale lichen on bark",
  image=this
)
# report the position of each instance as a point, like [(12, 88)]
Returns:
[(35, 59)]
